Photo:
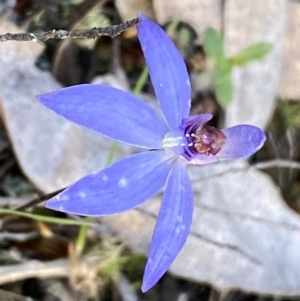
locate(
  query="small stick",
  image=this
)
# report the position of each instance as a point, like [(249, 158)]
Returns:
[(50, 269), (279, 163), (94, 33), (39, 200)]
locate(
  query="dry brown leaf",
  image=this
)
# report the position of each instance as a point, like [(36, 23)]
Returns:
[(256, 84), (243, 235), (51, 151)]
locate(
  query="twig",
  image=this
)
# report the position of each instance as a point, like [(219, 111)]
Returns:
[(49, 269), (95, 33), (278, 163), (39, 200)]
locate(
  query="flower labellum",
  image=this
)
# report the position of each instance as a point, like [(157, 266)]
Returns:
[(175, 141)]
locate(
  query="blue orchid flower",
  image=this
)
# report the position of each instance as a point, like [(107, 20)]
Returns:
[(171, 143)]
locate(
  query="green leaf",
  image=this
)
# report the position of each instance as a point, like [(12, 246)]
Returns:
[(222, 83), (252, 53), (213, 45)]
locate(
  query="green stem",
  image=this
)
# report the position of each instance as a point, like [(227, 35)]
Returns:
[(141, 82), (44, 218)]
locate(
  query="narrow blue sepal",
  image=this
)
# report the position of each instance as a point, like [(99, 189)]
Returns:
[(112, 112), (167, 70), (172, 227), (117, 188)]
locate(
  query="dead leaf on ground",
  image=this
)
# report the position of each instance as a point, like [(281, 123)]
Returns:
[(51, 151), (256, 84), (243, 235), (290, 71), (197, 13)]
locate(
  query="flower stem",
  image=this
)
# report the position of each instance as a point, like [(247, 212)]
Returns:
[(141, 82)]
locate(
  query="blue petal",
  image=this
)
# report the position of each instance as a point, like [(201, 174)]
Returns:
[(195, 121), (173, 224), (117, 188), (168, 72), (242, 141), (114, 113)]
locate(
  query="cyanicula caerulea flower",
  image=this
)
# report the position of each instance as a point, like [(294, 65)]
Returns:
[(171, 143)]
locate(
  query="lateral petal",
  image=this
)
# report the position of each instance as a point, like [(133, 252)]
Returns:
[(112, 112), (242, 141), (172, 227), (167, 70), (117, 188)]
